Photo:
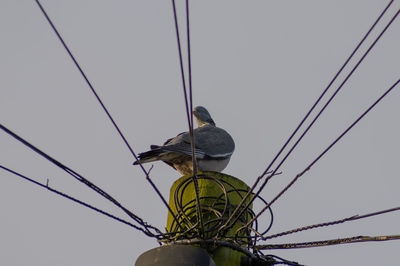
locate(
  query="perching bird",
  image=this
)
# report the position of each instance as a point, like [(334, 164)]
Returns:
[(213, 147)]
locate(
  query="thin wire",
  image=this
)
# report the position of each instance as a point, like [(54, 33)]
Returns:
[(326, 150), (190, 89), (213, 242), (192, 143), (192, 137), (85, 77), (311, 109), (314, 226), (283, 261), (181, 61), (145, 231), (217, 208), (76, 175), (347, 240), (328, 87), (103, 106), (189, 114)]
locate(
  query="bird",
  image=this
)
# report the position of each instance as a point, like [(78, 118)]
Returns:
[(213, 147)]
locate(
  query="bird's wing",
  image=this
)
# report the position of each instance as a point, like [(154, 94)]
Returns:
[(210, 141), (214, 142)]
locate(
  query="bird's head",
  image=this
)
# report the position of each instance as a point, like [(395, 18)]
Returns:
[(202, 116)]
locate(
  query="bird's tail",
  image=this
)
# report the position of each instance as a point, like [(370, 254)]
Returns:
[(149, 156)]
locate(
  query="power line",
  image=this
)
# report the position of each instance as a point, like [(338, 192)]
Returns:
[(347, 240), (326, 150), (178, 39), (328, 87), (144, 230), (103, 106), (85, 77), (310, 111), (192, 137), (189, 106), (77, 176), (348, 219)]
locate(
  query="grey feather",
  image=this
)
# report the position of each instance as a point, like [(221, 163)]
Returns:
[(213, 147)]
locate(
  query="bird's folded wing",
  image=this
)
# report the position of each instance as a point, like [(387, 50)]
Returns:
[(214, 142), (183, 148), (210, 141)]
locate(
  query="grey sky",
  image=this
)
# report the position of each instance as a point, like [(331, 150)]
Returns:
[(257, 67)]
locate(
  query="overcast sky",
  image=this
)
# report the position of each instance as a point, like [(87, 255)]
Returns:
[(257, 67)]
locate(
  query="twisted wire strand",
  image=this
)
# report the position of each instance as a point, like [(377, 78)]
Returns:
[(309, 227), (258, 256), (348, 219), (329, 242)]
